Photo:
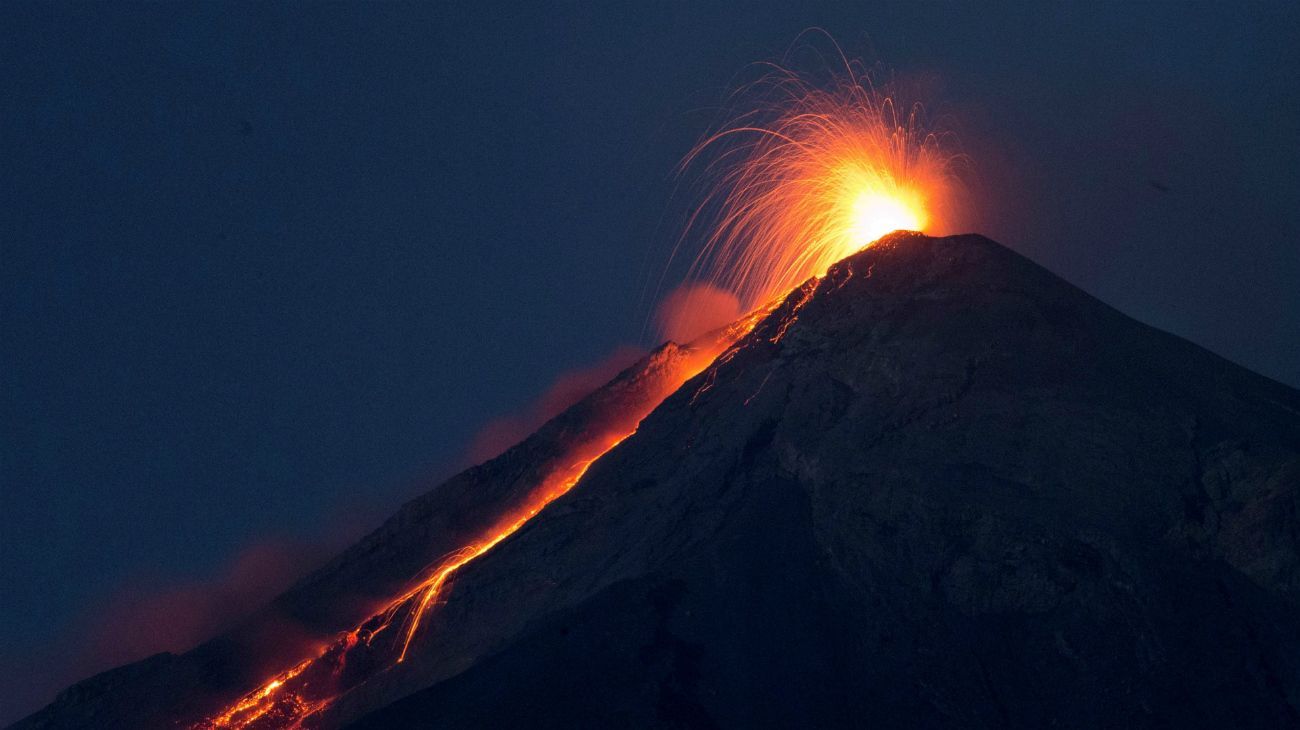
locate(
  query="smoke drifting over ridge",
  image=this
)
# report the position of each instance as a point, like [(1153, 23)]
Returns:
[(568, 388), (693, 309)]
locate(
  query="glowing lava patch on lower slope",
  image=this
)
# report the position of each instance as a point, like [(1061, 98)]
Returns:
[(292, 697)]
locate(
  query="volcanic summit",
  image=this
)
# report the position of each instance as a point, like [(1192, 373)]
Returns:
[(936, 487)]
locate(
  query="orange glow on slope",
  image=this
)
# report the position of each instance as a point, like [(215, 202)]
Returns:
[(557, 485), (808, 175), (807, 178), (289, 699)]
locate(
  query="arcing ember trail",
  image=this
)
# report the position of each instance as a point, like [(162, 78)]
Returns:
[(807, 177), (808, 173)]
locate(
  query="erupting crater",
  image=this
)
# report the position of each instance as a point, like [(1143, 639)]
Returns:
[(806, 177), (810, 172)]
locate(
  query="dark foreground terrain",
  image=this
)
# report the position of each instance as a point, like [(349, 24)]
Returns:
[(939, 488)]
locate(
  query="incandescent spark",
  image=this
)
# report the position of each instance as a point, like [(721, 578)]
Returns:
[(809, 174)]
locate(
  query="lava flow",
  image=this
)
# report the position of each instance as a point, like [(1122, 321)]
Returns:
[(803, 181), (292, 697)]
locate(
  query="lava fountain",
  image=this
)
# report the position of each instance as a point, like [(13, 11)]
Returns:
[(810, 172), (808, 176)]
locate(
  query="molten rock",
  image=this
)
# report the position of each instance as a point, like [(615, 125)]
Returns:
[(939, 487)]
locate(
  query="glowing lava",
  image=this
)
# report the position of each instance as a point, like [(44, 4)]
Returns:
[(874, 214), (291, 698), (809, 174), (808, 178), (555, 486)]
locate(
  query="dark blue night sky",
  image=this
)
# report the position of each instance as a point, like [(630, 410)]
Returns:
[(266, 269)]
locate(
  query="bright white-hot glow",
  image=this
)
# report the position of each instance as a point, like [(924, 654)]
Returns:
[(808, 173), (874, 214)]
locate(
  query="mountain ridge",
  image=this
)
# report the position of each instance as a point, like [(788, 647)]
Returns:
[(921, 415), (1137, 591)]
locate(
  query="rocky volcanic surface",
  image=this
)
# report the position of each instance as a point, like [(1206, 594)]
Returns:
[(169, 691), (939, 488)]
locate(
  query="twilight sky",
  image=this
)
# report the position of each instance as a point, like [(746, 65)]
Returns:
[(265, 270)]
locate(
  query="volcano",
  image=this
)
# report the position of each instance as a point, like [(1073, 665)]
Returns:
[(936, 487)]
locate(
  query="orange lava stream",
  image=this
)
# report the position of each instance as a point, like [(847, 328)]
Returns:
[(555, 487), (277, 704), (809, 177), (291, 697)]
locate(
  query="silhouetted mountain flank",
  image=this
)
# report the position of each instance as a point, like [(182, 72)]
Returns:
[(939, 487)]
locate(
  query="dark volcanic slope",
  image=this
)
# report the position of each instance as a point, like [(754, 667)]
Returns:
[(943, 489), (957, 493), (168, 690)]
